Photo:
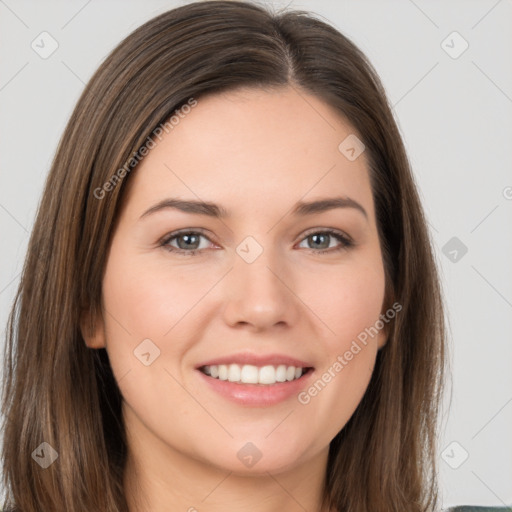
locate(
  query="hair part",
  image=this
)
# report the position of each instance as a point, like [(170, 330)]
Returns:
[(59, 391)]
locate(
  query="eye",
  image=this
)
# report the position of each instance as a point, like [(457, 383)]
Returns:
[(321, 240), (189, 242)]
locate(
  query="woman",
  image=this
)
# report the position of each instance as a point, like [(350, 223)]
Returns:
[(257, 370)]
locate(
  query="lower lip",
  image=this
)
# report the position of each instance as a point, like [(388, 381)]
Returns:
[(257, 395)]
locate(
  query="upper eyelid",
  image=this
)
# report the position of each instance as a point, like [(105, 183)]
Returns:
[(332, 231), (174, 234)]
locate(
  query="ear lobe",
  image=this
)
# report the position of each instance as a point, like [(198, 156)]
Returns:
[(92, 329), (383, 335), (383, 339)]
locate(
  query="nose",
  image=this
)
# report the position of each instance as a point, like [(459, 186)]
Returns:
[(260, 294)]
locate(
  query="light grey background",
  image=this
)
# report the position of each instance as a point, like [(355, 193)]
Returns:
[(455, 115)]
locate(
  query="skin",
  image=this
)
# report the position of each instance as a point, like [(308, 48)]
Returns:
[(255, 153)]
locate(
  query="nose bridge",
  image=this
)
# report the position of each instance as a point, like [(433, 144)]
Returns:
[(259, 293), (261, 275)]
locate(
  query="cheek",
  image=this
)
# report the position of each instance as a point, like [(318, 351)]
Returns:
[(148, 298), (347, 301), (139, 306), (349, 304)]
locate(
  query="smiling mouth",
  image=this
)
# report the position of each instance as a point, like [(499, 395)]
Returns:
[(250, 374)]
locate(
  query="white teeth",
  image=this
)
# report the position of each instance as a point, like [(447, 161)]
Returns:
[(267, 375), (250, 374), (223, 372), (234, 373), (281, 373)]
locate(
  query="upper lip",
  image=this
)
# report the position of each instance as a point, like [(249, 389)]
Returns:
[(242, 358)]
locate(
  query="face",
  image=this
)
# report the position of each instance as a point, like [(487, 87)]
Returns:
[(259, 277)]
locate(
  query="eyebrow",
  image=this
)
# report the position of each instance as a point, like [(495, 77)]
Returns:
[(213, 210)]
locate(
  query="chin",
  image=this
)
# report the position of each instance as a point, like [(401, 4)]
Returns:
[(250, 460)]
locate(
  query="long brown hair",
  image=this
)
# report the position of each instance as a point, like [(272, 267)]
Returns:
[(58, 391)]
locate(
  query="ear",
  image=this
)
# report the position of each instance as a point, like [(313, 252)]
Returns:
[(382, 338), (92, 328), (388, 307)]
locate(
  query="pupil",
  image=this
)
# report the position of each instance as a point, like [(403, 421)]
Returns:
[(324, 236), (188, 240)]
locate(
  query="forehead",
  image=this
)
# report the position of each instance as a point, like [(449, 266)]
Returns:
[(245, 148)]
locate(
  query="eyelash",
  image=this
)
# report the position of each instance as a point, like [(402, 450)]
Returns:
[(346, 243)]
